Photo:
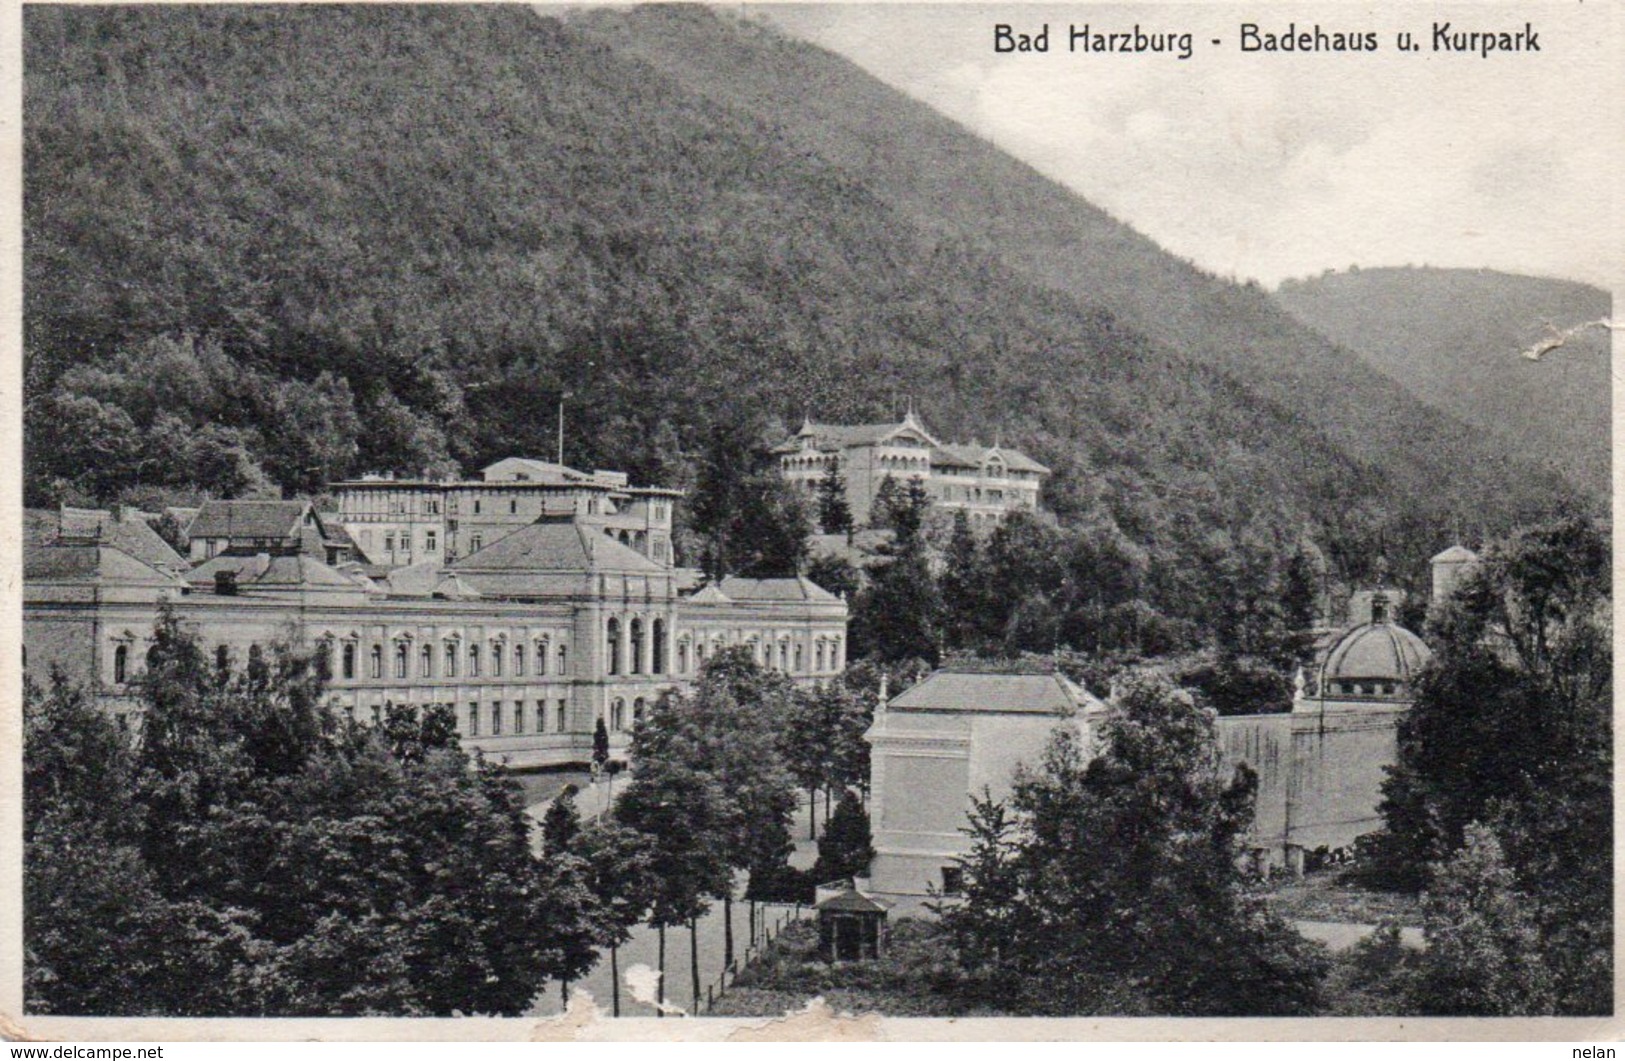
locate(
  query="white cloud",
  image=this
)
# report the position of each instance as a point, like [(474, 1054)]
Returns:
[(1270, 166)]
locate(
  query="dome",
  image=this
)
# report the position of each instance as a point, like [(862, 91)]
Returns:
[(1376, 659)]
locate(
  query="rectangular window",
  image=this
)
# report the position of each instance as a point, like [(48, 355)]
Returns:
[(473, 661), (451, 659), (476, 543), (541, 716), (496, 718), (519, 716), (563, 715), (496, 659), (474, 719), (429, 543), (389, 543), (953, 880)]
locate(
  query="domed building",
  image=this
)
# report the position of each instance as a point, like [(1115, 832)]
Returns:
[(1321, 767), (1375, 661)]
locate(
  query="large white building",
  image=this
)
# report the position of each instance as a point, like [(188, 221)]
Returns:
[(549, 627)]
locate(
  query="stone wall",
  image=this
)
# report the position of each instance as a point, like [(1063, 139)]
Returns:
[(1320, 772)]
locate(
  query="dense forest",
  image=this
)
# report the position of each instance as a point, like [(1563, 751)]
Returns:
[(266, 248)]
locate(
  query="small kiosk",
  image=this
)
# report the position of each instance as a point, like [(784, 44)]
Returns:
[(850, 927)]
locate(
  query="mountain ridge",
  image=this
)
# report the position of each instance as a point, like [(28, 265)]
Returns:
[(1460, 339), (299, 243)]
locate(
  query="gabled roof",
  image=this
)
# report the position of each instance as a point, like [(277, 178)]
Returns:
[(960, 456), (555, 545), (775, 589), (1457, 554), (248, 519), (93, 564), (841, 436), (710, 595), (1021, 694), (130, 534), (272, 572)]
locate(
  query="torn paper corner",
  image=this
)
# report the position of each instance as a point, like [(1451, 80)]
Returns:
[(817, 1023), (581, 1014), (1559, 337)]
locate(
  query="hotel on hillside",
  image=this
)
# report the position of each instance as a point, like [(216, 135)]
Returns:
[(986, 482)]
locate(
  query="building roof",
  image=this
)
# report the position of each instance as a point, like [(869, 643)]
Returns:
[(1383, 651), (1456, 554), (775, 589), (851, 901), (841, 436), (710, 595), (555, 545), (530, 470), (1022, 694), (129, 533), (92, 563), (952, 455), (248, 519), (263, 571)]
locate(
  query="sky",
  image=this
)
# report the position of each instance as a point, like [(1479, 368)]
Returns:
[(1268, 166)]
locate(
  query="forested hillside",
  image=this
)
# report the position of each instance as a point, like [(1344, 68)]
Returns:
[(270, 247), (1456, 338)]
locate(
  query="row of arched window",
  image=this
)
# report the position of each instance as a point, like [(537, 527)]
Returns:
[(450, 659), (634, 647), (497, 717), (783, 653)]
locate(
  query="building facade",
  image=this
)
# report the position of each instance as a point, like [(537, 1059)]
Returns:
[(952, 736), (986, 482), (529, 641), (400, 522)]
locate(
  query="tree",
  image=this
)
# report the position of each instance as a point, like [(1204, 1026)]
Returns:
[(834, 513), (728, 730), (1512, 728), (683, 815), (619, 867), (1484, 955), (847, 846), (962, 585), (561, 823), (753, 523), (984, 922), (835, 573), (1119, 890), (260, 855), (899, 616), (600, 743)]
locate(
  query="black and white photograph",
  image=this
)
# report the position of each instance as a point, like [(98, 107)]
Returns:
[(634, 516)]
